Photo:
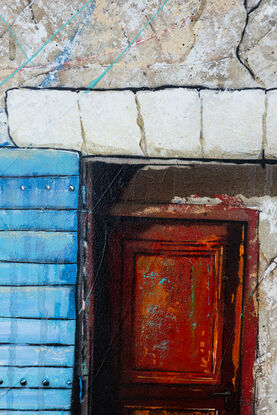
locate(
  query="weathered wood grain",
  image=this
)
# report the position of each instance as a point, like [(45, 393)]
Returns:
[(37, 302), (17, 355), (57, 377), (39, 192), (37, 162), (37, 274), (38, 220), (30, 246), (33, 331), (35, 399)]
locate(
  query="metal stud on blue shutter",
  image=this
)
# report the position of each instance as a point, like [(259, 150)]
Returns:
[(38, 272)]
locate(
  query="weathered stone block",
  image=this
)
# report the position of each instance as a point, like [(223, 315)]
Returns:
[(171, 120), (110, 123), (232, 123), (271, 125), (44, 118)]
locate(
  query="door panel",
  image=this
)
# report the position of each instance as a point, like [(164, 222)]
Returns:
[(160, 411), (174, 313), (175, 293)]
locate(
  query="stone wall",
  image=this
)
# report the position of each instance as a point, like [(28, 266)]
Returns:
[(217, 44), (177, 122), (223, 43), (193, 50)]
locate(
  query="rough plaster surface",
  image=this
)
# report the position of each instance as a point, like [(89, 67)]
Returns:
[(266, 367), (172, 122), (259, 44), (4, 133), (109, 121), (233, 123), (191, 42), (50, 119)]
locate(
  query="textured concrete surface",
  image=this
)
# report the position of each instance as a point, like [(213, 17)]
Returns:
[(44, 119), (192, 42), (233, 123), (109, 122), (171, 122), (271, 124)]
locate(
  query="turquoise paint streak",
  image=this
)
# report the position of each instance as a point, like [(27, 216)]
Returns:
[(45, 44), (12, 33), (162, 281), (59, 61), (97, 80)]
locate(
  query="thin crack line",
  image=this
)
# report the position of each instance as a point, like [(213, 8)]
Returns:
[(19, 14), (238, 54), (45, 44)]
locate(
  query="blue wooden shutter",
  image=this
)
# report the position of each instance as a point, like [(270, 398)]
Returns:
[(38, 271)]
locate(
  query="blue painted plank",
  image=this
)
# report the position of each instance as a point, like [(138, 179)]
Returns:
[(35, 399), (57, 377), (37, 331), (11, 412), (37, 274), (32, 246), (32, 193), (38, 220), (15, 355), (36, 162), (37, 302)]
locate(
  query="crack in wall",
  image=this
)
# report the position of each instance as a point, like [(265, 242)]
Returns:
[(84, 147), (244, 62), (140, 123), (30, 4), (201, 137), (264, 141), (158, 40), (192, 26), (16, 17)]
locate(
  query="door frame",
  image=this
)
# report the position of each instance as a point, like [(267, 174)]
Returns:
[(221, 212)]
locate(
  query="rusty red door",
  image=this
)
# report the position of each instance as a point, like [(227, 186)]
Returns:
[(176, 296)]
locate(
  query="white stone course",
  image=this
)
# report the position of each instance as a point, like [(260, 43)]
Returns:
[(110, 123), (232, 123), (44, 118), (271, 125), (177, 122), (172, 121)]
